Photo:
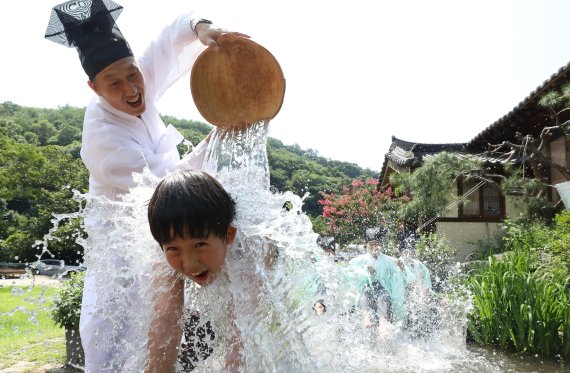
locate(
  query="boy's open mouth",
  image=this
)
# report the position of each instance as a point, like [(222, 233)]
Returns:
[(201, 276)]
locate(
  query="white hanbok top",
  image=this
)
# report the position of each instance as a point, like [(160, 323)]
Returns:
[(116, 144)]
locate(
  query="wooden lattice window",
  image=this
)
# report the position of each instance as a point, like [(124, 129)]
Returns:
[(484, 202)]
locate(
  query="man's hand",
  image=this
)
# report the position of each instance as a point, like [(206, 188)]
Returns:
[(209, 35)]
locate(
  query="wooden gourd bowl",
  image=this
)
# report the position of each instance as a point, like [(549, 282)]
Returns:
[(238, 85)]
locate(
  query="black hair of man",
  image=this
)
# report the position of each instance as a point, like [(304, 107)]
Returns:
[(190, 204)]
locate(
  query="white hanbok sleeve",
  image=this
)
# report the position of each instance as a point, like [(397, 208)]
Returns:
[(195, 159), (113, 155), (170, 56)]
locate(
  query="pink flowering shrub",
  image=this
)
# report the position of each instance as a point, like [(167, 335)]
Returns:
[(359, 206)]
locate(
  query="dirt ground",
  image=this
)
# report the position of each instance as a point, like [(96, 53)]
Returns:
[(28, 367)]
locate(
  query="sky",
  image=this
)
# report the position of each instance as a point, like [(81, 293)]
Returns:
[(357, 72)]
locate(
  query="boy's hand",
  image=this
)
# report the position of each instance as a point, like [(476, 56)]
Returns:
[(272, 253), (400, 264)]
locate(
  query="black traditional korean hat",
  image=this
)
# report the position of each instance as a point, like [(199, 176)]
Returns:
[(89, 26)]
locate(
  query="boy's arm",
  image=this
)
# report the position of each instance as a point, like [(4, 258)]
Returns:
[(367, 318), (165, 331), (397, 293), (234, 345), (427, 276)]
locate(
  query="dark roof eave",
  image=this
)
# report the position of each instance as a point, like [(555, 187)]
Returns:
[(425, 147), (533, 96)]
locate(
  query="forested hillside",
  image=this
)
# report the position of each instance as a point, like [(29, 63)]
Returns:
[(40, 167)]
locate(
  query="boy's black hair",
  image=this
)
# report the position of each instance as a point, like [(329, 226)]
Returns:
[(374, 234), (190, 203), (327, 243)]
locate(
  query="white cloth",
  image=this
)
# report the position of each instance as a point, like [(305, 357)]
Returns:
[(116, 145)]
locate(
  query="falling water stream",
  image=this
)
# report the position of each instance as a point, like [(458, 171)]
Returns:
[(274, 273)]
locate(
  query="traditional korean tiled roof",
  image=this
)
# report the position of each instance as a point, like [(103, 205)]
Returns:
[(511, 121), (408, 154), (484, 157)]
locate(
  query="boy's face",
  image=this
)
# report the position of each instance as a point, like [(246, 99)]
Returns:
[(122, 85), (319, 309), (200, 259), (374, 248)]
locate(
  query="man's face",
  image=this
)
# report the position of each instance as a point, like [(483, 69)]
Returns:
[(122, 85), (200, 259)]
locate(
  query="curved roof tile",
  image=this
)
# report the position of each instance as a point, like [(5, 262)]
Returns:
[(540, 90)]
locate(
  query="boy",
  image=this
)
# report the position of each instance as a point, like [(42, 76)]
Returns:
[(376, 266), (190, 216), (122, 133)]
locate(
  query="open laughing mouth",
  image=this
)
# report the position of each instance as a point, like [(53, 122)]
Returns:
[(135, 102), (200, 277)]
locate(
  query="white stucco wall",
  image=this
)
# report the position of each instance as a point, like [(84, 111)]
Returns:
[(466, 237), (558, 154)]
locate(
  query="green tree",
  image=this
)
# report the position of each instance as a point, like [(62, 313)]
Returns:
[(36, 182), (40, 166), (31, 138), (45, 131), (65, 135), (11, 129)]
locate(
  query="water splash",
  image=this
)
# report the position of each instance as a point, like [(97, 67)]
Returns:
[(274, 273)]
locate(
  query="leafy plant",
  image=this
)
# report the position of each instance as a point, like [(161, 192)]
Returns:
[(526, 193), (66, 307), (435, 251), (546, 245), (522, 301)]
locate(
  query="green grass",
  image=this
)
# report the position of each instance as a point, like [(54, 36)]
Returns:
[(27, 332)]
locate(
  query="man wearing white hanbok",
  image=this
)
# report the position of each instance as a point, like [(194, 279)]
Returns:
[(122, 134)]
